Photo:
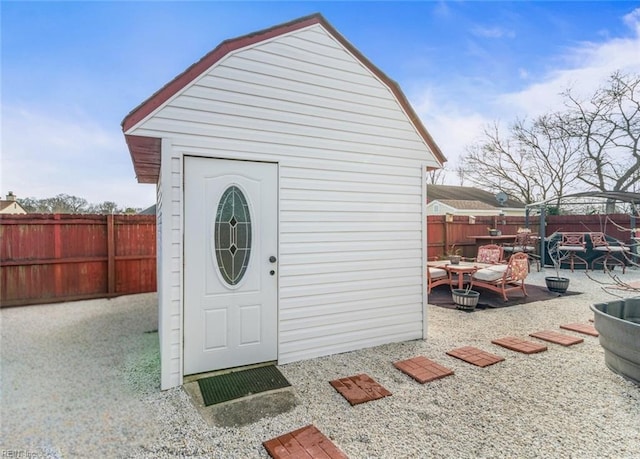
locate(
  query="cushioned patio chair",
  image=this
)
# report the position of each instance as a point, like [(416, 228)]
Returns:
[(572, 243), (490, 253), (504, 278), (524, 242), (437, 276), (609, 251)]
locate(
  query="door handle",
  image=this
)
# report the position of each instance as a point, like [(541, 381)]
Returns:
[(272, 259)]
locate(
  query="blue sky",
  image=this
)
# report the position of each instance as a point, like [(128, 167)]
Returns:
[(71, 71)]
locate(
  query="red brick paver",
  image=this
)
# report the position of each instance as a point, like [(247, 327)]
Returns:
[(520, 345), (359, 389), (475, 356), (581, 328), (305, 443), (557, 338), (422, 369)]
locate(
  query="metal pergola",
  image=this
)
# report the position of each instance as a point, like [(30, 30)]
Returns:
[(623, 196)]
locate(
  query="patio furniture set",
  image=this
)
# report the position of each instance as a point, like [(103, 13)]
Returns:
[(490, 270), (573, 243)]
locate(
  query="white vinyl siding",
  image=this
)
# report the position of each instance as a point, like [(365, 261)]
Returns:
[(351, 237), (169, 217), (351, 260)]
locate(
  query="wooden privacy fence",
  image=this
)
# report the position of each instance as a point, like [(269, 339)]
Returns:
[(48, 258), (445, 231)]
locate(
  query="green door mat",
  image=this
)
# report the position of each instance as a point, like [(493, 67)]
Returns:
[(229, 386)]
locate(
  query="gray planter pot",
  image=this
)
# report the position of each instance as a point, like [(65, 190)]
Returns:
[(465, 299), (557, 284), (618, 324)]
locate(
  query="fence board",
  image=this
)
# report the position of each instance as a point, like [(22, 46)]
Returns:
[(50, 258), (441, 234), (59, 257)]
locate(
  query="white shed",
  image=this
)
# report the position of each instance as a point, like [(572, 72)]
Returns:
[(291, 182)]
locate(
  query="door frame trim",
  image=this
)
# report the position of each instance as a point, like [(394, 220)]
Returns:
[(183, 155)]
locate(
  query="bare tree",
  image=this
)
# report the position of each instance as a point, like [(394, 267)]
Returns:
[(437, 176), (591, 145), (608, 125), (66, 204), (535, 162), (63, 204), (105, 208), (31, 205)]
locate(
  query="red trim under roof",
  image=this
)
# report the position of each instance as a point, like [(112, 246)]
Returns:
[(145, 152)]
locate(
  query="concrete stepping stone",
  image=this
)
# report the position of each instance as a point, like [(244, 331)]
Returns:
[(585, 329), (305, 443), (556, 338), (422, 369), (475, 356), (520, 345), (359, 389)]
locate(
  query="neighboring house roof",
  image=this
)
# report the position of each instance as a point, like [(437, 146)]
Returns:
[(151, 210), (466, 204), (11, 207), (145, 151), (462, 197)]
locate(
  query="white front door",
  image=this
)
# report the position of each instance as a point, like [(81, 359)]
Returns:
[(230, 263)]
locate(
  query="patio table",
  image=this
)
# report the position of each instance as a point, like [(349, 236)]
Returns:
[(487, 239), (460, 270)]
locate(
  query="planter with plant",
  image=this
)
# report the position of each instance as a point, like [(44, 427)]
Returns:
[(494, 232), (465, 298), (454, 255), (557, 283)]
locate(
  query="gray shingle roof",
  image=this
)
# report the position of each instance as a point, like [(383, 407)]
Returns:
[(465, 195)]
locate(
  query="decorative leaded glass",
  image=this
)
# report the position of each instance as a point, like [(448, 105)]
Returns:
[(232, 235)]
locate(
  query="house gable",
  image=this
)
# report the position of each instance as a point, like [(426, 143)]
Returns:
[(145, 149), (11, 205)]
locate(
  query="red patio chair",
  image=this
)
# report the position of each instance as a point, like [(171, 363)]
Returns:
[(573, 243), (437, 276), (490, 253), (524, 242), (504, 278), (600, 244)]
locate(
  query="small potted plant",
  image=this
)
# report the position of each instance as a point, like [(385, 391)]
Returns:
[(494, 232), (557, 283), (465, 298), (454, 254)]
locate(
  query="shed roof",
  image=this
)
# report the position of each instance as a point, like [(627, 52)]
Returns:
[(463, 195), (145, 151)]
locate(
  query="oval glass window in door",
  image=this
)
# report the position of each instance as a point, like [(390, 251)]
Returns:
[(232, 235)]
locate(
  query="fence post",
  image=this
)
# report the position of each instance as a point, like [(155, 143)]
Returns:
[(57, 255), (111, 256)]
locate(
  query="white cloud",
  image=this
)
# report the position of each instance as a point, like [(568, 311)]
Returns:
[(632, 20), (456, 122), (584, 68), (439, 120), (493, 32), (43, 156), (523, 73), (442, 9)]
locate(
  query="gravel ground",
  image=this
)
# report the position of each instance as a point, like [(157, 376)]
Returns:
[(82, 380)]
